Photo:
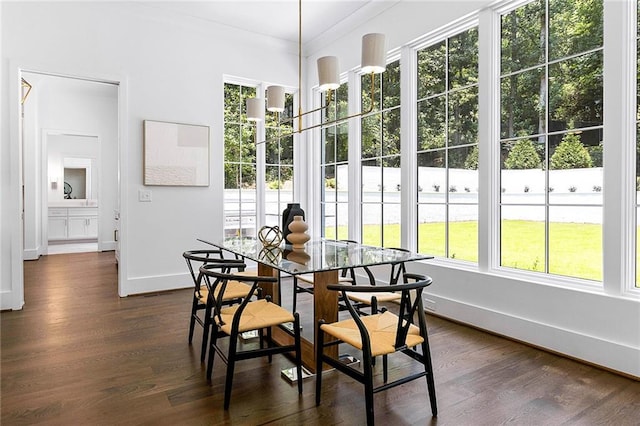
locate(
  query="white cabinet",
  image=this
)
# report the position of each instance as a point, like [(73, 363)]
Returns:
[(57, 228), (73, 223)]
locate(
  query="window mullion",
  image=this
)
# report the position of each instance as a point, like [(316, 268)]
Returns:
[(355, 162), (619, 189), (408, 148), (260, 133), (489, 140)]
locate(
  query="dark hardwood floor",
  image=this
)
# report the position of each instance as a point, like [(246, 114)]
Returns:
[(77, 354)]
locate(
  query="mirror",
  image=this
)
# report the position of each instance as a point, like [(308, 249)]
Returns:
[(72, 169), (77, 178)]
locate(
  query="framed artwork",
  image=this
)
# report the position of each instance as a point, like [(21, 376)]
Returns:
[(175, 154)]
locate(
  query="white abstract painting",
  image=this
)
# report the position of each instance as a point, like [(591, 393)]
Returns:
[(176, 154)]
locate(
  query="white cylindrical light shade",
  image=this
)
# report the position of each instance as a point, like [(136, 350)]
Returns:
[(374, 52), (328, 73), (275, 98), (255, 109)]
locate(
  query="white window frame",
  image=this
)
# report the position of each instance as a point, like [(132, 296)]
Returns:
[(261, 87), (619, 202), (542, 277), (455, 28)]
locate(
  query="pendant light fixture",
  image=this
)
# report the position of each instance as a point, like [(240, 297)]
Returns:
[(373, 62)]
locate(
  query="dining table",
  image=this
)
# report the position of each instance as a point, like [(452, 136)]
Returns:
[(324, 258)]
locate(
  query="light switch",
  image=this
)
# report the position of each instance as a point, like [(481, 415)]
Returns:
[(144, 195)]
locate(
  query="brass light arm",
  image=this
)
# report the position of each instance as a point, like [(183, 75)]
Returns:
[(336, 121), (302, 114)]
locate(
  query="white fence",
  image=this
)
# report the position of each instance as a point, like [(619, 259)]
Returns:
[(572, 194)]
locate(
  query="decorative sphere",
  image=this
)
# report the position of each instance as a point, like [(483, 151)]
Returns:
[(270, 236)]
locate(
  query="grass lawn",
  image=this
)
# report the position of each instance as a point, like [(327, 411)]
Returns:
[(575, 249)]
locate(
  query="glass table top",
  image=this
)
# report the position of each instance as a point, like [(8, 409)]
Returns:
[(318, 255)]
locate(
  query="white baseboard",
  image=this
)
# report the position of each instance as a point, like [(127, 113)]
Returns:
[(31, 254), (7, 302), (594, 350), (141, 285), (107, 246)]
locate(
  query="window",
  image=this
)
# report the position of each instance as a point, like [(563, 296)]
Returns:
[(278, 163), (380, 159), (551, 138), (447, 143), (335, 167), (239, 163)]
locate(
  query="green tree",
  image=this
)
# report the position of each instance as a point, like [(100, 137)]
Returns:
[(523, 155), (570, 154), (239, 144), (382, 126), (471, 162)]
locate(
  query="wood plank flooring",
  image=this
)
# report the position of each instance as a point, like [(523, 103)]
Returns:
[(77, 354)]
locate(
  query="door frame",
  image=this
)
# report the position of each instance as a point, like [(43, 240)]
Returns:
[(15, 299)]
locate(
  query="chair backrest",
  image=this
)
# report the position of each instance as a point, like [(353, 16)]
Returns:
[(410, 305), (217, 275), (398, 269), (197, 258), (352, 271)]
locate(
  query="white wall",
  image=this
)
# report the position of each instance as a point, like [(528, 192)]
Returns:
[(170, 71), (591, 322)]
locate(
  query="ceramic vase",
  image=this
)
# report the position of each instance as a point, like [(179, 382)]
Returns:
[(297, 235), (293, 209)]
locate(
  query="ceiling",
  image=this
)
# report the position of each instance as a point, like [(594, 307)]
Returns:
[(279, 18)]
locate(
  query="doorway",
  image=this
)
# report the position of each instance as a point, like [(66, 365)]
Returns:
[(70, 164)]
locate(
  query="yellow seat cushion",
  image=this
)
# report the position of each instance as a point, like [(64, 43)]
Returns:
[(234, 290), (382, 333), (256, 315), (380, 296)]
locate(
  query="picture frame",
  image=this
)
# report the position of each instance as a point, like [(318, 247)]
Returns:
[(175, 154)]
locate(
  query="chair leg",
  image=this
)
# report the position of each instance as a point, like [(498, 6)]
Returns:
[(212, 354), (192, 320), (385, 368), (205, 332), (269, 344), (431, 386), (295, 293), (261, 338), (233, 343), (368, 387), (296, 325), (319, 352)]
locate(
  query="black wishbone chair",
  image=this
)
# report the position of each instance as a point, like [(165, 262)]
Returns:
[(249, 315), (237, 291), (380, 334)]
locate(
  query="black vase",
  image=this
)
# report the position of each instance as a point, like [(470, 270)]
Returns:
[(293, 209)]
